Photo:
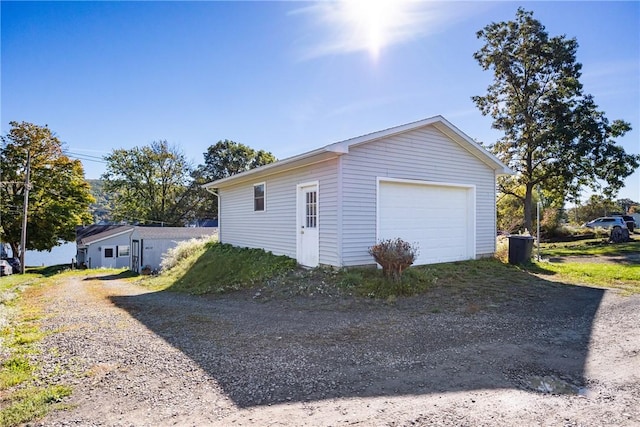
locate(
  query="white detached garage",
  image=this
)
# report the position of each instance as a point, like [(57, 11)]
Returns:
[(425, 182)]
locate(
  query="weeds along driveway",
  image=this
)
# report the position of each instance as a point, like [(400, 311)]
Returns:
[(149, 358)]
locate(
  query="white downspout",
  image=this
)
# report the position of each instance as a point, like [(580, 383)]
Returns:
[(215, 193)]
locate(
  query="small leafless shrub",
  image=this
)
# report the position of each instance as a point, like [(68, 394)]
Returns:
[(395, 256), (502, 248)]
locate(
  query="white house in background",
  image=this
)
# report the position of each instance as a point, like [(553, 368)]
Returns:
[(425, 182), (133, 247), (149, 244), (104, 246)]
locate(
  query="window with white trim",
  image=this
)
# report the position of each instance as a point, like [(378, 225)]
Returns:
[(259, 197), (123, 250)]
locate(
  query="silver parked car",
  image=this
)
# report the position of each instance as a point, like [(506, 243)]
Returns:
[(631, 224), (608, 222), (5, 268)]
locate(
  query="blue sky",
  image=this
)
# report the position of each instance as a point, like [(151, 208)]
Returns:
[(286, 77)]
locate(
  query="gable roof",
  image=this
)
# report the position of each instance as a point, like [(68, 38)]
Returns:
[(109, 232), (342, 147), (175, 232), (85, 231), (148, 233)]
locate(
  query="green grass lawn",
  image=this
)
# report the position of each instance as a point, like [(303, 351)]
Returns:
[(591, 247), (617, 276), (571, 269)]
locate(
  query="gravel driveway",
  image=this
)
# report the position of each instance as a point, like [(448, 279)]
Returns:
[(567, 356)]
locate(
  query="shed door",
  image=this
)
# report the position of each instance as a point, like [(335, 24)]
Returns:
[(440, 219), (308, 247), (108, 256), (135, 256)]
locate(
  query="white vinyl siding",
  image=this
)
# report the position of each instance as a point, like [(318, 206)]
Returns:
[(275, 229), (95, 251), (154, 249), (154, 242), (423, 154)]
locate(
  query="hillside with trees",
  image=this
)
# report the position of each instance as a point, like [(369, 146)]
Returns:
[(103, 205)]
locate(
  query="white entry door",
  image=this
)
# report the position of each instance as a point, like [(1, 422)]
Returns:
[(108, 256), (308, 247)]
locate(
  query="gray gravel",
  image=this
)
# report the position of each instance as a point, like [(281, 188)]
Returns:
[(568, 356)]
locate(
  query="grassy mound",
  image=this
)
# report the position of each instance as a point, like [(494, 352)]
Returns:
[(211, 267)]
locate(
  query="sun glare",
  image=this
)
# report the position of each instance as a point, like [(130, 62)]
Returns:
[(372, 22), (371, 25)]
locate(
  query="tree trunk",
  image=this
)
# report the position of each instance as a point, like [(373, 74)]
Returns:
[(15, 250), (528, 211)]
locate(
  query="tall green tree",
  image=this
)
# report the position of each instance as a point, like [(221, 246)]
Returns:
[(59, 196), (223, 159), (151, 185), (227, 158), (554, 135)]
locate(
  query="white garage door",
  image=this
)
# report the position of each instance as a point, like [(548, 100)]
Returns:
[(438, 218)]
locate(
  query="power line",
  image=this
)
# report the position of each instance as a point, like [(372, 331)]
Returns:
[(88, 160), (85, 157)]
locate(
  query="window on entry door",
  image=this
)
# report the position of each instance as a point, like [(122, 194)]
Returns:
[(312, 209)]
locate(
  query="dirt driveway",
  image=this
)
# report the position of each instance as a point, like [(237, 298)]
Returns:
[(563, 356)]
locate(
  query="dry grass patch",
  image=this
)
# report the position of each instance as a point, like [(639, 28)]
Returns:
[(25, 394)]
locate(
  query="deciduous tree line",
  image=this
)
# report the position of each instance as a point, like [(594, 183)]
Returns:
[(157, 184), (152, 184)]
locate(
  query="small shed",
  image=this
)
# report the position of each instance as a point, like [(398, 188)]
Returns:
[(425, 182), (149, 244)]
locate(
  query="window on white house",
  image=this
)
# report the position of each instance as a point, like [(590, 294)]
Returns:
[(108, 252), (258, 197), (123, 250)]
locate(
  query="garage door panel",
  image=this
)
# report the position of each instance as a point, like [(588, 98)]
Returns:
[(436, 218), (432, 233)]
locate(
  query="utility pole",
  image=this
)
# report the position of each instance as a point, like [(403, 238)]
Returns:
[(23, 236), (538, 205)]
